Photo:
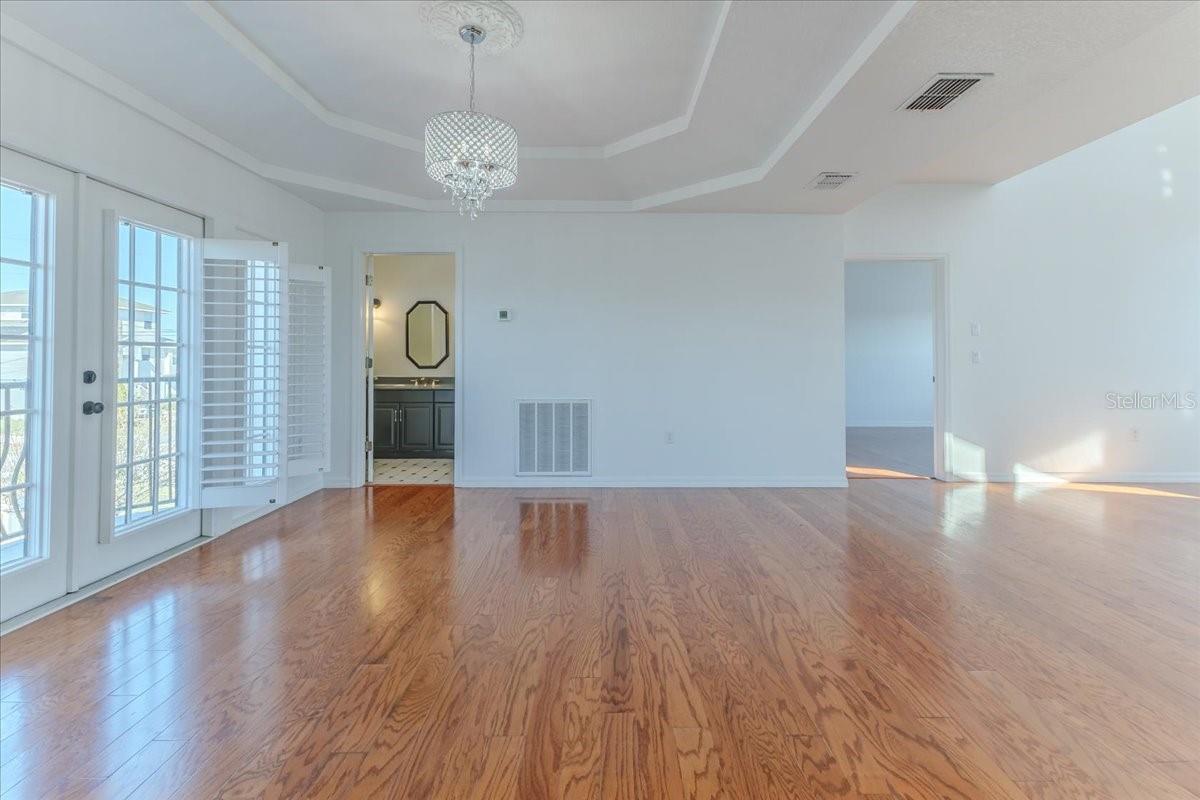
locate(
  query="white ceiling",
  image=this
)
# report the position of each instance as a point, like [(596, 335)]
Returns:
[(678, 105)]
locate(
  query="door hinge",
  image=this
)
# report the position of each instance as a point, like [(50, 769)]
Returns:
[(370, 445), (370, 280), (370, 362)]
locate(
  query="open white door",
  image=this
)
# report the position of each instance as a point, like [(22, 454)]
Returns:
[(241, 372), (369, 373), (308, 370)]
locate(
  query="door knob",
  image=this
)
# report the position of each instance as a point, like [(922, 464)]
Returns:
[(92, 407)]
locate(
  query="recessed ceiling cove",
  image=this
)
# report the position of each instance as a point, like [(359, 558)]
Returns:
[(656, 105)]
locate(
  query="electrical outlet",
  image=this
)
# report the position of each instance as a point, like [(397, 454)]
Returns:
[(670, 437), (974, 356), (976, 329), (1135, 435)]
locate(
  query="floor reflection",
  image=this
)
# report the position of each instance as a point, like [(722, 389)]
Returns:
[(260, 561), (553, 535)]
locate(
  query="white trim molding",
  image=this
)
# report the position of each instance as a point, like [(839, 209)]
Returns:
[(718, 482), (1054, 478)]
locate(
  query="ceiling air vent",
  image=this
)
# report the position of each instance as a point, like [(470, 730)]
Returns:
[(828, 181), (943, 90)]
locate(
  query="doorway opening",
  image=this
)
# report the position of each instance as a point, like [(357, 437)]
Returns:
[(894, 326), (410, 397)]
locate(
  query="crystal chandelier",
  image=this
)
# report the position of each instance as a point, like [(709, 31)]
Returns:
[(469, 153)]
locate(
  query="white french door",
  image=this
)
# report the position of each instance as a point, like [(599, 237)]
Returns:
[(132, 498), (144, 377), (37, 271)]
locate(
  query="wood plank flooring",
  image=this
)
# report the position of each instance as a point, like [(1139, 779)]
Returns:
[(900, 639)]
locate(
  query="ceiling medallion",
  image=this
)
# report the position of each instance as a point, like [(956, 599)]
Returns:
[(469, 153), (445, 18)]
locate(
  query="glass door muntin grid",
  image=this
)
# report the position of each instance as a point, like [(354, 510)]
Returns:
[(23, 461), (150, 390)]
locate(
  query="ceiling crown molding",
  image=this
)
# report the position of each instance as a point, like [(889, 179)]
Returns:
[(25, 38), (21, 36), (207, 13)]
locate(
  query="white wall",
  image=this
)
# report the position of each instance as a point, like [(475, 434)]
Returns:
[(889, 343), (53, 116), (723, 329), (400, 281), (1084, 274)]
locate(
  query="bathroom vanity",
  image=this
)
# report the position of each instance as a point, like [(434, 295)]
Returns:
[(414, 419)]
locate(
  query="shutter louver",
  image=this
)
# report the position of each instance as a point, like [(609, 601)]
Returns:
[(308, 362)]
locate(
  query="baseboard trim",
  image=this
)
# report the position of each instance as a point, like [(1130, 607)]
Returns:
[(509, 482), (1079, 477), (914, 424)]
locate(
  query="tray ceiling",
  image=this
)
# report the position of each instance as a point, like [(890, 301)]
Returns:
[(661, 105)]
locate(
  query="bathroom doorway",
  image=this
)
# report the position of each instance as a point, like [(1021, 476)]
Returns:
[(410, 356)]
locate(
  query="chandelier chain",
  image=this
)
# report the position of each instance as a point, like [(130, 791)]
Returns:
[(472, 103)]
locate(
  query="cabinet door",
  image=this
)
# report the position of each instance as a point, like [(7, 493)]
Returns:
[(387, 429), (416, 428), (444, 428)]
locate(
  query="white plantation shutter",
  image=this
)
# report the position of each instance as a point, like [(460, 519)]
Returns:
[(308, 386), (241, 372)]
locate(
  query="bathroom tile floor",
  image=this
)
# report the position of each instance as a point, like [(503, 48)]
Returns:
[(414, 471)]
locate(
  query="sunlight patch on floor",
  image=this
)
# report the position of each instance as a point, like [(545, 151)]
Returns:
[(879, 472)]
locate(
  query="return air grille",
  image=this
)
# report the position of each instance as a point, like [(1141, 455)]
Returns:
[(827, 181), (943, 90), (554, 437)]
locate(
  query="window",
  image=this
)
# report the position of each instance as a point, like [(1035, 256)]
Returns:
[(152, 273), (22, 278)]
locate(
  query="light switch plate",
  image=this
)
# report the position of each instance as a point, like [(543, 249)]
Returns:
[(975, 328), (504, 315), (974, 356)]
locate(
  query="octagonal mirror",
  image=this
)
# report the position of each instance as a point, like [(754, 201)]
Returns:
[(427, 330)]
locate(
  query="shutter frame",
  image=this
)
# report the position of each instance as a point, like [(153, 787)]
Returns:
[(309, 387), (241, 407)]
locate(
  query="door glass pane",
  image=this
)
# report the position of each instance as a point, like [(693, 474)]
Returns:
[(168, 317), (151, 346), (145, 324), (171, 246), (145, 264), (21, 340)]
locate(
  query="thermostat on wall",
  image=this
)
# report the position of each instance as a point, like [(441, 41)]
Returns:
[(504, 315)]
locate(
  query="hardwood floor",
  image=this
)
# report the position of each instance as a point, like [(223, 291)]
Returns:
[(897, 639)]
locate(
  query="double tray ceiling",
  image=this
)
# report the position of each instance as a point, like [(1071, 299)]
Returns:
[(657, 105)]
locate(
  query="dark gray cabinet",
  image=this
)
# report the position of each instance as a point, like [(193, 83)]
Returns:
[(414, 423), (443, 426), (387, 429), (416, 429)]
